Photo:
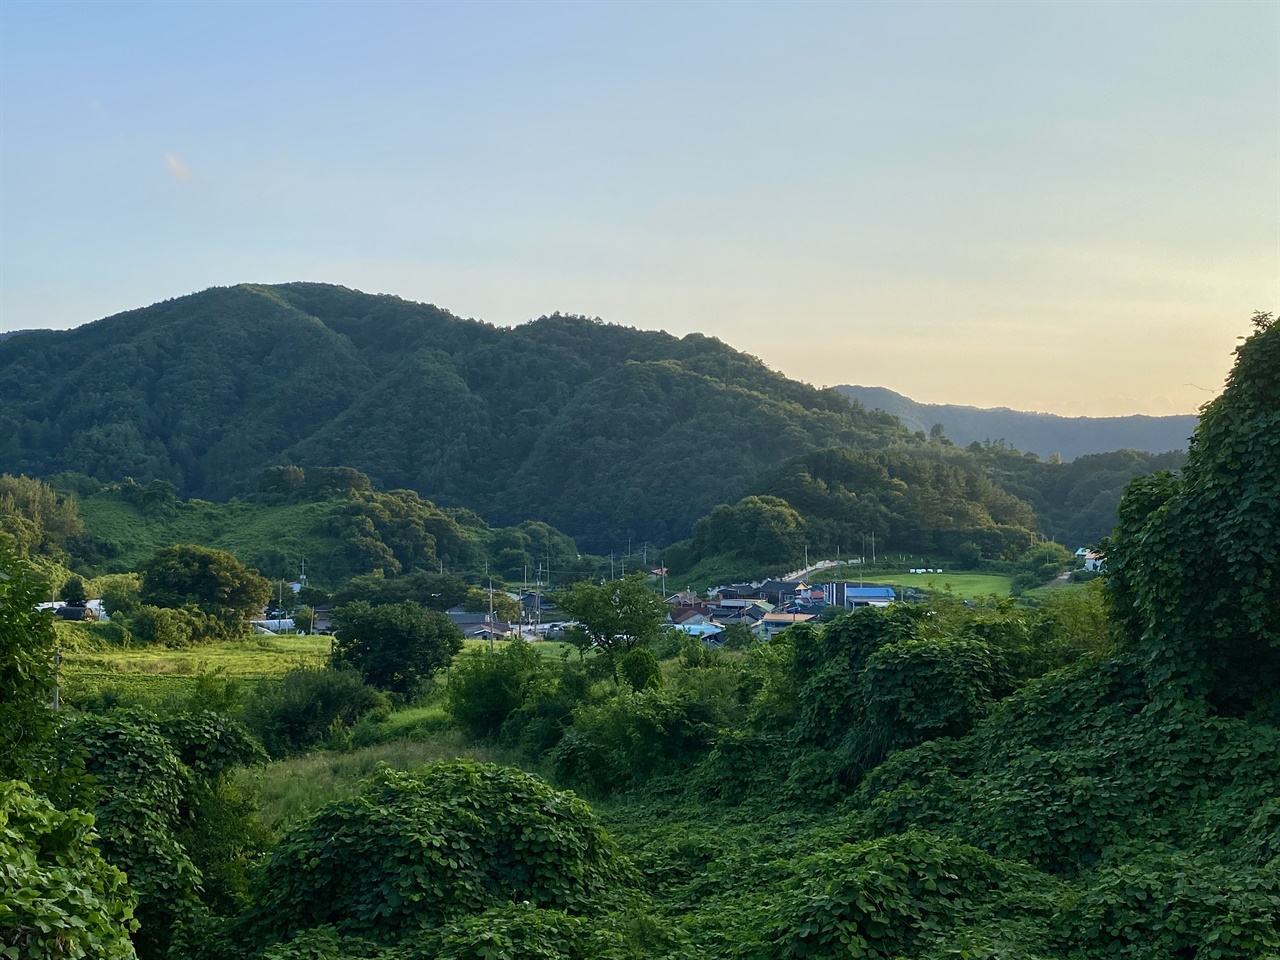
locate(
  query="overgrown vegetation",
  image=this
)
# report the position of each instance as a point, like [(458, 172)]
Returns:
[(1097, 774)]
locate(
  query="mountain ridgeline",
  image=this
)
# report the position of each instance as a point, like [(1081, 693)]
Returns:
[(605, 432), (1041, 433), (601, 430)]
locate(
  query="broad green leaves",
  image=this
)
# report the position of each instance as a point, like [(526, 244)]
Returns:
[(1194, 565)]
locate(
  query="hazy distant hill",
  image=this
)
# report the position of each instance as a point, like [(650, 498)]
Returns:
[(602, 430), (1040, 433)]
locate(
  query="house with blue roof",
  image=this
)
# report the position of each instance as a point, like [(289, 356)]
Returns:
[(851, 595)]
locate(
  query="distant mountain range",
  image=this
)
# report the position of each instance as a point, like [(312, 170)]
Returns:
[(1041, 433)]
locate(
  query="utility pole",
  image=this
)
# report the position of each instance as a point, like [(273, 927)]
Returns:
[(537, 597), (491, 626), (873, 546)]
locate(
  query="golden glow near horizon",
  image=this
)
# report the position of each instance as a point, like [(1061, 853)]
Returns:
[(1057, 207)]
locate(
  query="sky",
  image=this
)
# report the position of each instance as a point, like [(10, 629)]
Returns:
[(1064, 207)]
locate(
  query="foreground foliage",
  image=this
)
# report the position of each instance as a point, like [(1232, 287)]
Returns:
[(915, 783), (413, 851)]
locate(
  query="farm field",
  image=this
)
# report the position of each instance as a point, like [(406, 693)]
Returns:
[(964, 585), (88, 664), (153, 673)]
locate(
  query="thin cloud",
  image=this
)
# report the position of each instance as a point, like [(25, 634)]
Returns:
[(177, 169)]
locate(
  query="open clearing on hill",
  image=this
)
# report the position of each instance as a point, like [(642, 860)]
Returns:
[(963, 585)]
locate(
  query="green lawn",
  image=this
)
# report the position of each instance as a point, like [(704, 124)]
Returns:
[(964, 585)]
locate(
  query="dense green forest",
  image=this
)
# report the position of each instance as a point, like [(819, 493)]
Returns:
[(600, 430), (604, 432), (965, 505), (1098, 776)]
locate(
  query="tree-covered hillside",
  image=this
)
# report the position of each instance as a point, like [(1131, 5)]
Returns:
[(600, 430), (328, 523)]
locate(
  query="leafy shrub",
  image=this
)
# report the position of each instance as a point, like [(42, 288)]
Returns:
[(485, 688), (516, 931), (639, 669), (416, 849), (739, 765), (1194, 565), (827, 662), (1153, 902), (631, 737), (158, 782), (58, 896), (26, 668), (921, 689), (306, 707), (883, 898), (175, 627)]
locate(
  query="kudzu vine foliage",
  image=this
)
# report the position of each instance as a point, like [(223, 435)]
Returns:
[(414, 850), (1194, 564)]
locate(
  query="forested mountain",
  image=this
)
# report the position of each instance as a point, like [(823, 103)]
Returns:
[(1041, 433), (932, 499), (601, 430)]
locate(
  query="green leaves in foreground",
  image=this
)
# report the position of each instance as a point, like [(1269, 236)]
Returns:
[(415, 850), (58, 897)]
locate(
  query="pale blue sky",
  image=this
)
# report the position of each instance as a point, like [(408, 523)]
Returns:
[(1064, 207)]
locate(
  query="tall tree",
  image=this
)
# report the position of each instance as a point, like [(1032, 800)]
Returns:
[(213, 580), (393, 646), (26, 668), (617, 616), (35, 518)]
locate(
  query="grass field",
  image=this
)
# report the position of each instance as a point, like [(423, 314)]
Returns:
[(252, 658), (154, 673), (964, 585), (291, 789), (247, 530)]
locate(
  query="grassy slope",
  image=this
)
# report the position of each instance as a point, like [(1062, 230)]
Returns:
[(246, 530), (291, 789), (965, 585)]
